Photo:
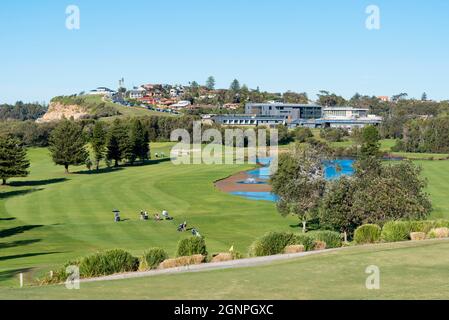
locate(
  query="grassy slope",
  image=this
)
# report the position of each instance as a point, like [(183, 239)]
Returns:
[(127, 111), (407, 271), (59, 217)]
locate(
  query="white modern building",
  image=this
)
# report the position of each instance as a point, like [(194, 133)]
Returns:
[(347, 118), (344, 112)]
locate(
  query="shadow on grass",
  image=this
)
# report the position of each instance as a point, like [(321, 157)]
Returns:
[(7, 219), (17, 230), (156, 161), (6, 275), (127, 165), (36, 183), (14, 244), (10, 194), (101, 171), (147, 163), (26, 255)]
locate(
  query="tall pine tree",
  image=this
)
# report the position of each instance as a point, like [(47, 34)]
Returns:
[(118, 145), (13, 160), (139, 140), (67, 145), (98, 142)]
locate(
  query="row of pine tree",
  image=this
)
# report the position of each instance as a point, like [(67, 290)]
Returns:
[(123, 142)]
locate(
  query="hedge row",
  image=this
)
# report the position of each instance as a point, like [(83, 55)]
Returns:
[(274, 243), (119, 261), (395, 231)]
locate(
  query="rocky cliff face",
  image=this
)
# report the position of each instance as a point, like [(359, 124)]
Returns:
[(57, 111)]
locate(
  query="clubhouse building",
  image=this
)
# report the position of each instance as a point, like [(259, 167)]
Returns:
[(295, 115)]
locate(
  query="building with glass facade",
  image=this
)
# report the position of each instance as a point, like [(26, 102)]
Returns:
[(290, 111), (294, 115)]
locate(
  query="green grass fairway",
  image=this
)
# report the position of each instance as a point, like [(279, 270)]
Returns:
[(408, 270), (386, 146), (49, 217), (437, 174)]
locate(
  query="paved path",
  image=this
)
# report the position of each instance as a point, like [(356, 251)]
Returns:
[(242, 263)]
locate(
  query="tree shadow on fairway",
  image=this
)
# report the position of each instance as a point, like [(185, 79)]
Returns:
[(17, 230), (27, 255), (36, 183), (10, 194), (6, 275), (101, 171), (147, 163), (14, 244), (156, 161), (7, 219)]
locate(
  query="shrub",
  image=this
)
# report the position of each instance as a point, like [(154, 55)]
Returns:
[(59, 276), (107, 263), (368, 233), (236, 255), (152, 258), (395, 231), (302, 134), (332, 135), (439, 233), (183, 261), (331, 238), (192, 246), (422, 226), (305, 240), (441, 224), (272, 243)]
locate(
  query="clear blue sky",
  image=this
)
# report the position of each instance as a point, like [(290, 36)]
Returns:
[(278, 45)]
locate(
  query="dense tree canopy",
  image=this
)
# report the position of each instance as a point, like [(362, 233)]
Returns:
[(22, 111), (328, 99), (425, 135), (392, 192), (294, 97)]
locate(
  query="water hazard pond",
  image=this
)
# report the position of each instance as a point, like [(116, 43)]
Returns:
[(253, 184)]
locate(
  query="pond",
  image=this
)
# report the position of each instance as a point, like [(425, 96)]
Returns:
[(337, 168), (333, 170), (256, 195)]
